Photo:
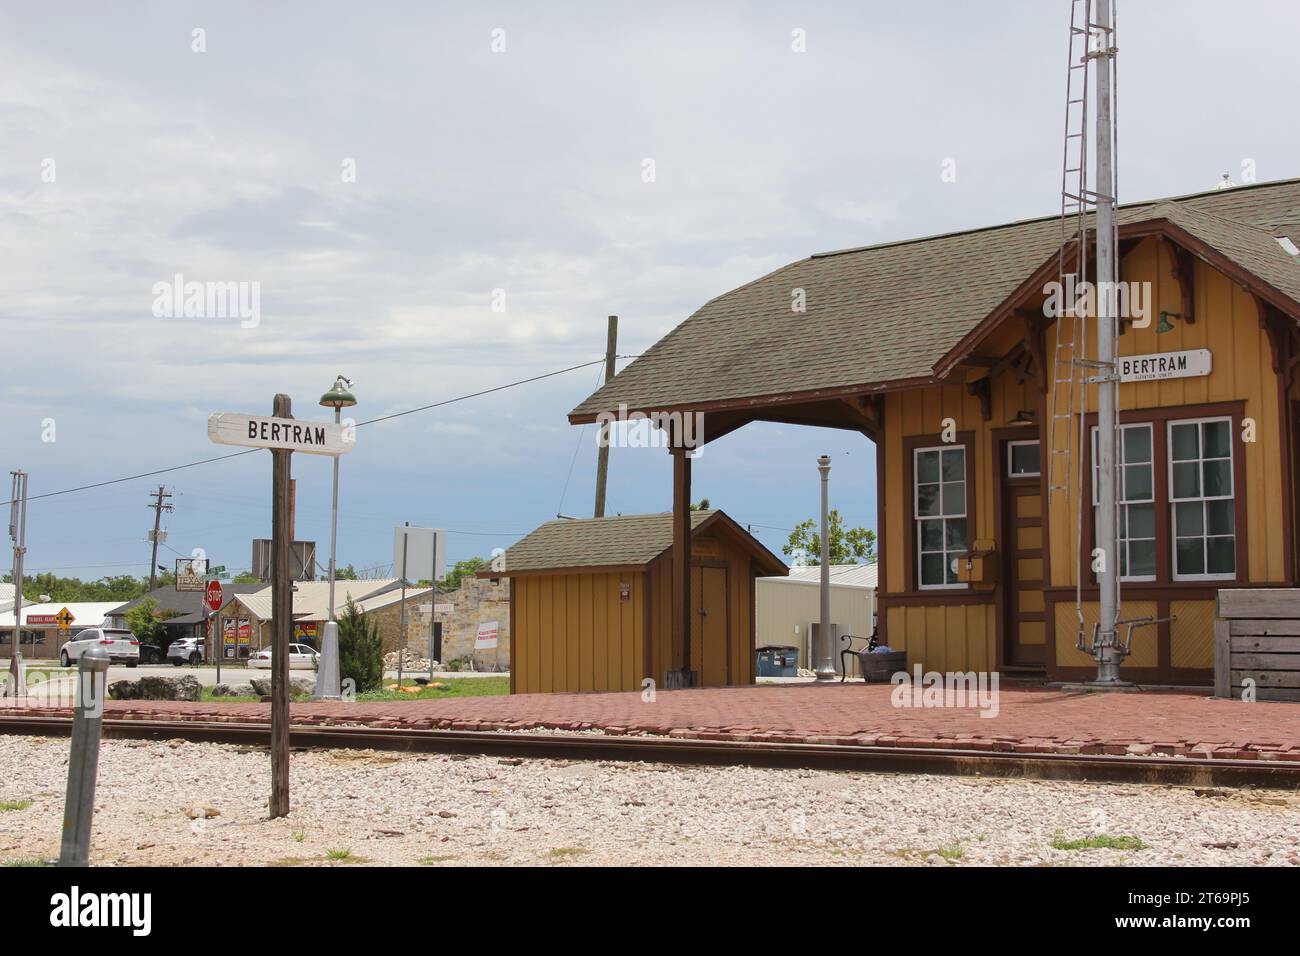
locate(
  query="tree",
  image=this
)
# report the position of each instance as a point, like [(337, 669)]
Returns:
[(345, 574), (361, 649), (147, 623), (461, 569), (846, 546), (701, 505), (246, 577)]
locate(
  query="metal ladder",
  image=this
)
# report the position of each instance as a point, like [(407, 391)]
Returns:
[(1072, 260)]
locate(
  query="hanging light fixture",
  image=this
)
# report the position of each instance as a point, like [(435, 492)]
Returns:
[(1165, 325)]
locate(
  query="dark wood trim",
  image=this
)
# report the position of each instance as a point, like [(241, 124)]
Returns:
[(910, 443), (937, 597), (882, 495), (681, 568)]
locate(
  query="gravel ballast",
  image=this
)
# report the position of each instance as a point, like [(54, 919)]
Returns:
[(181, 803)]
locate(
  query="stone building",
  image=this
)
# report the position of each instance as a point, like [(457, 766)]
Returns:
[(475, 602)]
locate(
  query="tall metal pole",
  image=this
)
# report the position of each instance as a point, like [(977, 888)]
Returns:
[(1106, 651), (327, 678), (825, 649), (17, 685), (602, 455), (433, 613)]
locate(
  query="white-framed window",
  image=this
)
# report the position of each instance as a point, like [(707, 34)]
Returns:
[(939, 504), (1202, 500), (1024, 459), (1137, 501)]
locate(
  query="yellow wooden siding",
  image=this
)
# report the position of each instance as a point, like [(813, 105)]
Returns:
[(1191, 635), (1227, 323), (944, 637), (1146, 647), (575, 634)]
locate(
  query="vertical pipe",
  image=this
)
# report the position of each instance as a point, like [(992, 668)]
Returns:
[(1107, 653), (83, 759), (17, 685), (327, 678)]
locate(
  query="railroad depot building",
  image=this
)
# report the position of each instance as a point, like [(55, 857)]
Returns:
[(942, 351)]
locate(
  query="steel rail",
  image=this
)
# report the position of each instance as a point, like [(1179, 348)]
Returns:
[(1178, 771)]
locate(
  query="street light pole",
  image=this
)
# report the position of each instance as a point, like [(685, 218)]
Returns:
[(327, 677), (825, 650)]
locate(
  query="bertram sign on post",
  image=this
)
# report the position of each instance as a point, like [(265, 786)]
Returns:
[(282, 434), (279, 434), (1149, 368)]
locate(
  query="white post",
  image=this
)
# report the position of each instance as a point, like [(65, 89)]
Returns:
[(327, 675), (17, 685)]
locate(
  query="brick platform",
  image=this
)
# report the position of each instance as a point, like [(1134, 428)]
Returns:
[(1029, 720)]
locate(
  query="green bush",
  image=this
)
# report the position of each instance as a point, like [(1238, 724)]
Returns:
[(361, 650)]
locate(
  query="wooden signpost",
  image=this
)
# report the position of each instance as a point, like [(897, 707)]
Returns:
[(283, 436)]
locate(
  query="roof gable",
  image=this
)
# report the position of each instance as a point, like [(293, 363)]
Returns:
[(891, 313)]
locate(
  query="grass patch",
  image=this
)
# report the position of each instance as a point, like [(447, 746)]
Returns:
[(1103, 842), (338, 854), (566, 852), (14, 805), (456, 687), (434, 860), (299, 835), (31, 862), (954, 852)]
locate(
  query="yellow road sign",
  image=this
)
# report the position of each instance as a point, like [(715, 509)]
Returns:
[(64, 618)]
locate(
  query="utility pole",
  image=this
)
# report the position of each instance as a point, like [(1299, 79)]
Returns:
[(17, 686), (1106, 650), (602, 455), (158, 508)]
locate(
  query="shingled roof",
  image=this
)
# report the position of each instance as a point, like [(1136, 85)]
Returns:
[(615, 542), (890, 313)]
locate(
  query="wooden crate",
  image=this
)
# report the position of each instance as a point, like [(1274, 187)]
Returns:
[(1257, 637)]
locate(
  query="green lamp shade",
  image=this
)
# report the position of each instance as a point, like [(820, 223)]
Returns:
[(1165, 325), (338, 397)]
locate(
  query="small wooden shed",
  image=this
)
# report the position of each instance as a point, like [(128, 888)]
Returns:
[(590, 601)]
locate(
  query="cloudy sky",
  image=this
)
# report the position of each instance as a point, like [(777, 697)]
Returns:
[(129, 158)]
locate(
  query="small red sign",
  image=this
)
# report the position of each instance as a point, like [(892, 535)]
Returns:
[(214, 595)]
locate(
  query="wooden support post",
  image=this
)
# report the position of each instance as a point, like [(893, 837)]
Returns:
[(681, 675), (602, 456), (281, 618)]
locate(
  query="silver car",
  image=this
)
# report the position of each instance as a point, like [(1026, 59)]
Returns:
[(187, 650), (121, 644)]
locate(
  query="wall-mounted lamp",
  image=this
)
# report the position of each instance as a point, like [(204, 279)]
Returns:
[(1023, 417), (1165, 325)]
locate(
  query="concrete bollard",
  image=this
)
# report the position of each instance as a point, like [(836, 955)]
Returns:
[(83, 762)]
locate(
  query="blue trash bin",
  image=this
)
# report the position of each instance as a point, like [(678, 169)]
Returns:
[(774, 660)]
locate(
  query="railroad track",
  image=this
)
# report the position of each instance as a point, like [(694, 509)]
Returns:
[(1180, 771)]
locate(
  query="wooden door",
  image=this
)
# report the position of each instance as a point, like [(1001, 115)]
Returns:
[(1024, 617), (710, 626)]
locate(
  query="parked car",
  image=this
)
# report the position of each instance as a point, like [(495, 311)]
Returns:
[(300, 657), (186, 650), (150, 654), (121, 644)]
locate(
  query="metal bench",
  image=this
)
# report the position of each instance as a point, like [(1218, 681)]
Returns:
[(871, 643)]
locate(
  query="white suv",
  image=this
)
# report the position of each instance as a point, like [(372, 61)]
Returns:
[(121, 645), (185, 650)]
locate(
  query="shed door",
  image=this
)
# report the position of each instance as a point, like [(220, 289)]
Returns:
[(710, 626)]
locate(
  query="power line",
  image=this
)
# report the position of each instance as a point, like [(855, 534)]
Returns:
[(249, 451)]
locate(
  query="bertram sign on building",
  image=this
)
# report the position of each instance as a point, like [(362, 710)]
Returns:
[(1162, 365), (287, 434)]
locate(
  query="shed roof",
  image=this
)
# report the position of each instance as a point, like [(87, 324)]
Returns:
[(890, 313), (618, 541), (311, 598)]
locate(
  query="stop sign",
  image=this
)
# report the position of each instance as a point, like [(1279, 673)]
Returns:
[(214, 595)]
